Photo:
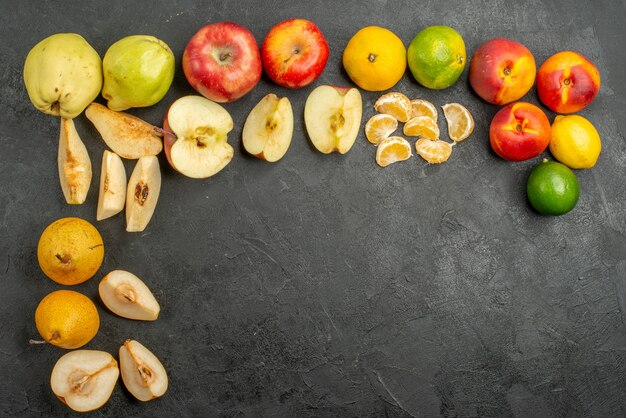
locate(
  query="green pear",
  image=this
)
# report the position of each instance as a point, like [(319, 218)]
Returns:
[(63, 74), (138, 72)]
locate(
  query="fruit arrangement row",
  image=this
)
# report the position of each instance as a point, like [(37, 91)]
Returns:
[(222, 61)]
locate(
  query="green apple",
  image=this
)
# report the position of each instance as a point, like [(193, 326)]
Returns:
[(138, 71), (63, 74)]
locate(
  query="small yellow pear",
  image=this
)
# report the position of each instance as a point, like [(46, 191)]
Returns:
[(67, 319), (70, 251)]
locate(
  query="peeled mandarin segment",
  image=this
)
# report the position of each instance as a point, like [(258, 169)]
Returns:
[(380, 127), (422, 126), (392, 150), (394, 104), (421, 107), (460, 121), (434, 152)]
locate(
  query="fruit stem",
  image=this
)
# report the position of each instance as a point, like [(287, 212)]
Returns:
[(371, 57), (35, 342), (164, 132)]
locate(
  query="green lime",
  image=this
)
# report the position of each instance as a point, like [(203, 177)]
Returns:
[(552, 188), (436, 57)]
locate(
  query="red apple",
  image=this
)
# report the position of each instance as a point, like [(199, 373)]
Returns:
[(222, 61), (502, 71), (567, 82), (519, 131), (294, 53)]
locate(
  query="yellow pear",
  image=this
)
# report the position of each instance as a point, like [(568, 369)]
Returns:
[(63, 74), (67, 319), (70, 251)]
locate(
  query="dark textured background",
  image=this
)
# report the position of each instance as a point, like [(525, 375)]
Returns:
[(324, 285)]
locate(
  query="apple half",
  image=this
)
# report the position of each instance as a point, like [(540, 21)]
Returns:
[(332, 116), (142, 193), (112, 196), (128, 136), (268, 129), (196, 134), (74, 164)]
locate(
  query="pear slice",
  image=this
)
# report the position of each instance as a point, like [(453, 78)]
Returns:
[(332, 116), (112, 194), (74, 164), (84, 379), (268, 129), (142, 373), (127, 296), (128, 136), (142, 193)]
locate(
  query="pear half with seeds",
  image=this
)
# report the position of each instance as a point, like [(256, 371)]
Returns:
[(142, 373), (127, 135), (127, 296), (84, 379), (74, 164)]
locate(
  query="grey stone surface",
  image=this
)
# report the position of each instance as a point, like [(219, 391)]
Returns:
[(324, 285)]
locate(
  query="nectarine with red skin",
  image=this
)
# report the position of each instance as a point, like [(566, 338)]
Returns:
[(502, 71), (519, 131), (567, 82)]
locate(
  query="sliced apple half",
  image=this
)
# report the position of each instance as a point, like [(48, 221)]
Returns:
[(142, 373), (128, 136), (332, 116), (84, 379), (74, 164), (112, 196), (268, 129), (142, 193), (127, 296), (196, 133)]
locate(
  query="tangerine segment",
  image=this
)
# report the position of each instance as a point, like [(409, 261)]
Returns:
[(434, 152), (394, 104), (422, 126), (380, 127), (421, 107), (391, 150), (460, 121)]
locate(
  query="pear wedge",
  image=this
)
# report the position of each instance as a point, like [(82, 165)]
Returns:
[(112, 196), (142, 373), (127, 296), (128, 136), (84, 379), (74, 164), (142, 193)]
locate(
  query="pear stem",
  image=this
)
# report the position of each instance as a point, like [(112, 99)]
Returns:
[(36, 342), (164, 132)]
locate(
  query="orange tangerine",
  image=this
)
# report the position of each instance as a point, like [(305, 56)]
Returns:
[(460, 121), (422, 126), (421, 107), (434, 152), (380, 127), (394, 104), (391, 150)]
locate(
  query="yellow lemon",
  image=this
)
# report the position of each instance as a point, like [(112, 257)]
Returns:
[(575, 141), (67, 319), (375, 58), (70, 251)]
